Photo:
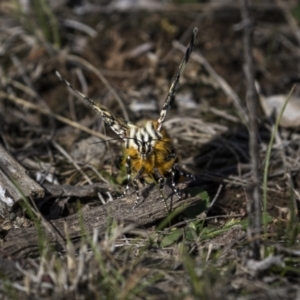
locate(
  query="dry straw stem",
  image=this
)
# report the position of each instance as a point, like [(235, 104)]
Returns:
[(18, 85), (81, 27), (69, 158), (47, 112), (254, 203), (194, 130), (90, 67), (64, 153), (290, 20), (257, 267), (224, 114), (229, 92)]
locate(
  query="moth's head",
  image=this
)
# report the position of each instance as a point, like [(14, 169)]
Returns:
[(143, 138)]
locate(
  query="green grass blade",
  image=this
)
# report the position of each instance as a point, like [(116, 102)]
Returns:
[(268, 156)]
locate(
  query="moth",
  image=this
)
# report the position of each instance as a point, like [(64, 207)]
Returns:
[(148, 149)]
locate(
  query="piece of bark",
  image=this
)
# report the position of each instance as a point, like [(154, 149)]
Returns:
[(23, 242), (15, 182), (76, 191)]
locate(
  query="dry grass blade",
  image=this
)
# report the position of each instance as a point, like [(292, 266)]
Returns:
[(221, 81), (290, 19), (64, 153), (61, 150), (90, 67), (45, 111)]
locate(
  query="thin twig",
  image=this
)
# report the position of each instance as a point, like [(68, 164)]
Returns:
[(70, 159), (223, 114), (290, 19), (291, 22), (90, 67), (215, 199), (81, 27), (254, 201), (229, 92), (45, 111), (48, 225), (18, 85)]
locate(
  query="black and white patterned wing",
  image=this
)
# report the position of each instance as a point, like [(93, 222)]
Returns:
[(118, 125), (172, 90)]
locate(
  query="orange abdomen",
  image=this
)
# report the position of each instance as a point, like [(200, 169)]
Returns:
[(162, 158)]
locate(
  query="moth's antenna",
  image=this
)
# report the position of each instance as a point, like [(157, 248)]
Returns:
[(172, 90), (118, 125)]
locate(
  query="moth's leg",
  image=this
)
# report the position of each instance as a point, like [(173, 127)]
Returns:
[(136, 187), (143, 181), (174, 175), (128, 171), (161, 183), (160, 180), (187, 175)]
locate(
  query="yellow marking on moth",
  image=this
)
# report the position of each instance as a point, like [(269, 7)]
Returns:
[(159, 158)]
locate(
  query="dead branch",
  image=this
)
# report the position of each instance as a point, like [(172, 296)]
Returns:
[(15, 182), (254, 204), (89, 190), (23, 242)]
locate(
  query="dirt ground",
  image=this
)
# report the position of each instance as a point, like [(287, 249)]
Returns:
[(66, 243)]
